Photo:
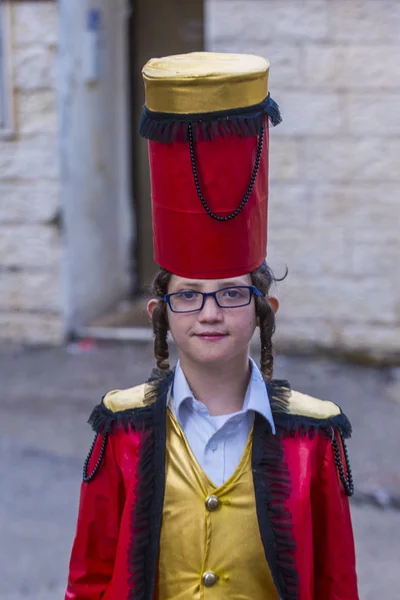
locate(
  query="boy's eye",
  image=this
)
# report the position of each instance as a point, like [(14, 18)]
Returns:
[(233, 293), (187, 295)]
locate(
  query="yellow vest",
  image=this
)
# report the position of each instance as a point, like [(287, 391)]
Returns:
[(210, 545)]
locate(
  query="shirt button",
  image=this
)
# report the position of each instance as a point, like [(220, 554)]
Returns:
[(213, 446), (209, 578), (212, 503)]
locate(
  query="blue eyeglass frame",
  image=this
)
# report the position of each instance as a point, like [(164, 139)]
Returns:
[(252, 288)]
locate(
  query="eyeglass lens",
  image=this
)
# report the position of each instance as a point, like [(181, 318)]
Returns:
[(188, 300)]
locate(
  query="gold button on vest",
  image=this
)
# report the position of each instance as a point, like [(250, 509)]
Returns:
[(212, 503), (209, 578), (210, 545)]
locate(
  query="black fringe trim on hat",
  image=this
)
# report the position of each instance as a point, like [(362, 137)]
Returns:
[(240, 122), (272, 489)]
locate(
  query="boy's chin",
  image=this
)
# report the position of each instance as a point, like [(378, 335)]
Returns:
[(212, 357)]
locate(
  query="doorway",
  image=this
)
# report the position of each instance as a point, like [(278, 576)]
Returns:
[(157, 28)]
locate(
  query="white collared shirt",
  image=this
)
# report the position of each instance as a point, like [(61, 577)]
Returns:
[(218, 442)]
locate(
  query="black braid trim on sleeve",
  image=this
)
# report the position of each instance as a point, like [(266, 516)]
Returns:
[(86, 476), (345, 473)]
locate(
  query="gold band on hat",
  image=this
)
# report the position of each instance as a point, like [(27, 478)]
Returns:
[(204, 82)]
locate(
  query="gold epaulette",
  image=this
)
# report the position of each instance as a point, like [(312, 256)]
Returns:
[(290, 403), (138, 396), (307, 406)]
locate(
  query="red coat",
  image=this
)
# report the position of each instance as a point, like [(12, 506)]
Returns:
[(302, 507)]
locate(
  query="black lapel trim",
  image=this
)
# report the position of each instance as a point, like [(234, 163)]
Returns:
[(146, 514), (139, 548), (272, 489), (158, 466)]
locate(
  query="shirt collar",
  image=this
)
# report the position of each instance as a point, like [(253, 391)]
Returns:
[(256, 398)]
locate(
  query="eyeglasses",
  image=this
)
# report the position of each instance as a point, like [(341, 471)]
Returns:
[(230, 297)]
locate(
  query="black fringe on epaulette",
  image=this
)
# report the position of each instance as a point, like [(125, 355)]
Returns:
[(308, 427), (272, 489), (103, 420), (279, 392), (240, 122), (158, 376)]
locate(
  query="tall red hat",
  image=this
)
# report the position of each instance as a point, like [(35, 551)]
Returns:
[(206, 118)]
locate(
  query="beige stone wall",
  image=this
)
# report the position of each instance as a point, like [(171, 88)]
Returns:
[(335, 163), (30, 241)]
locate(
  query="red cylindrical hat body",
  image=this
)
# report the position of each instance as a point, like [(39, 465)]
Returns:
[(187, 240)]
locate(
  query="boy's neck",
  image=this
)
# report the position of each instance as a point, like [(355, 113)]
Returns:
[(221, 390)]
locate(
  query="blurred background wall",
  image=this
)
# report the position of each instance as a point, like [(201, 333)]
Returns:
[(30, 242), (334, 214), (334, 194)]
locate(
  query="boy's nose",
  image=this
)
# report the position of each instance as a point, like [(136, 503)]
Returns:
[(210, 310)]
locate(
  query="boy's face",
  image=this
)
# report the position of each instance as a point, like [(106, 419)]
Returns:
[(213, 334)]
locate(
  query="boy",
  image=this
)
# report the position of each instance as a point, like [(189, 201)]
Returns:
[(213, 480)]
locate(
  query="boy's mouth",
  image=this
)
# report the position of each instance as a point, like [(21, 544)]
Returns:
[(211, 335)]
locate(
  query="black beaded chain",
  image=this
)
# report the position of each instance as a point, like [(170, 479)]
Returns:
[(86, 477), (251, 184), (347, 480)]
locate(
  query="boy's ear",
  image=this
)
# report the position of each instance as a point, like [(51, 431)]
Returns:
[(151, 306), (273, 302)]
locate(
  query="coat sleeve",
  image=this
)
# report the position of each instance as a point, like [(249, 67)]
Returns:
[(95, 544), (334, 553)]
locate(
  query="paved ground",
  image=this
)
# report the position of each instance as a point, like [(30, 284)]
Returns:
[(47, 395)]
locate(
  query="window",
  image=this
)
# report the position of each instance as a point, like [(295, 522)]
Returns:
[(6, 109)]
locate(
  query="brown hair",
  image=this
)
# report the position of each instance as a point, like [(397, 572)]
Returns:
[(262, 278)]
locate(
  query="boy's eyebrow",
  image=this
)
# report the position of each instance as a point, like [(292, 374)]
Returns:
[(188, 284), (218, 284)]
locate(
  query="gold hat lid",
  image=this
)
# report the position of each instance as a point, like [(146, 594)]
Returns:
[(204, 82)]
